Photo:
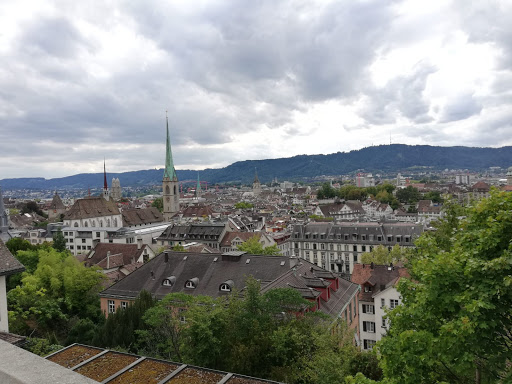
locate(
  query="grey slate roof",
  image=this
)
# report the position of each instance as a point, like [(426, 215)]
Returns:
[(213, 270), (141, 216), (8, 263)]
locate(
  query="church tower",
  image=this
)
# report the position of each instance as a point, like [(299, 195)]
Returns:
[(198, 187), (171, 194), (106, 192), (256, 186)]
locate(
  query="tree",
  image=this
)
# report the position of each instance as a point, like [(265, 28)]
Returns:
[(158, 203), (380, 255), (254, 247), (59, 242), (455, 324), (408, 195), (435, 196), (59, 288), (243, 205), (326, 191)]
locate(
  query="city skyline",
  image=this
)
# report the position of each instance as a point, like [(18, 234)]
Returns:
[(245, 81)]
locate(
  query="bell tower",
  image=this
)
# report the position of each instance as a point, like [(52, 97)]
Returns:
[(170, 188)]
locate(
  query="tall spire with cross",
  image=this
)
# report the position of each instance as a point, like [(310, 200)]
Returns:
[(169, 171), (106, 192)]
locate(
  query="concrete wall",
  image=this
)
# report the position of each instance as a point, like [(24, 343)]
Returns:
[(18, 366), (4, 325)]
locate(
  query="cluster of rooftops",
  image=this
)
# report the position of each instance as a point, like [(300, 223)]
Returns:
[(216, 275)]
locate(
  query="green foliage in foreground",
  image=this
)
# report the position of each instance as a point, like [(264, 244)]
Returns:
[(54, 289), (256, 334), (455, 322)]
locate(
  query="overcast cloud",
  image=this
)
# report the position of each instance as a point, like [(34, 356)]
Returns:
[(80, 81)]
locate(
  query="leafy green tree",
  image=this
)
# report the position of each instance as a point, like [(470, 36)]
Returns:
[(60, 287), (59, 242), (119, 329), (158, 203), (326, 191), (243, 205), (380, 255), (435, 196), (408, 195), (254, 247), (179, 248), (18, 244), (455, 324)]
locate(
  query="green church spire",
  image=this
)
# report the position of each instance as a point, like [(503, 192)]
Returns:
[(169, 172), (198, 187)]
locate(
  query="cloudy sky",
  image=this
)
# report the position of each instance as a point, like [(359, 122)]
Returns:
[(245, 79)]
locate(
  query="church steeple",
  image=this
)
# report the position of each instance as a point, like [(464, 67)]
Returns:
[(106, 192), (169, 171), (198, 187), (256, 186), (171, 195)]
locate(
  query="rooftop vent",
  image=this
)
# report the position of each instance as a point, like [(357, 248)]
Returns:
[(247, 261), (215, 259)]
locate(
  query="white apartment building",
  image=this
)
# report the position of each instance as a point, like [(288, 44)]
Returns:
[(377, 296), (338, 247)]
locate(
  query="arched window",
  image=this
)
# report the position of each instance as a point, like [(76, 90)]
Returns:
[(76, 224), (93, 224), (167, 190), (86, 224), (175, 190), (115, 222), (101, 223), (225, 288), (108, 222)]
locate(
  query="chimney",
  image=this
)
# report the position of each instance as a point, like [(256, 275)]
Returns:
[(166, 256), (293, 262), (108, 259), (139, 243)]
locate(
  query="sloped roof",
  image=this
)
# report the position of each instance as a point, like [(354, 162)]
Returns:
[(8, 263), (378, 277), (56, 203), (141, 216), (197, 211), (91, 206), (244, 236), (120, 254)]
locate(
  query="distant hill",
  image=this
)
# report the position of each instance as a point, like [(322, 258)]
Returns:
[(383, 158)]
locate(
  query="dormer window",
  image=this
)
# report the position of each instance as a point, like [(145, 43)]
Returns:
[(367, 288), (226, 286), (192, 283), (169, 281)]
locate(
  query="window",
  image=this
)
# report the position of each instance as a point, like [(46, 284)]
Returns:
[(382, 303), (390, 239), (124, 304), (189, 284), (307, 245), (97, 234), (111, 306), (368, 344), (225, 288), (368, 288), (322, 246), (347, 268), (314, 246), (369, 308), (183, 319), (393, 303), (369, 326), (71, 240), (347, 258), (354, 248), (350, 311), (383, 323), (363, 248), (346, 247), (83, 241), (355, 258)]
